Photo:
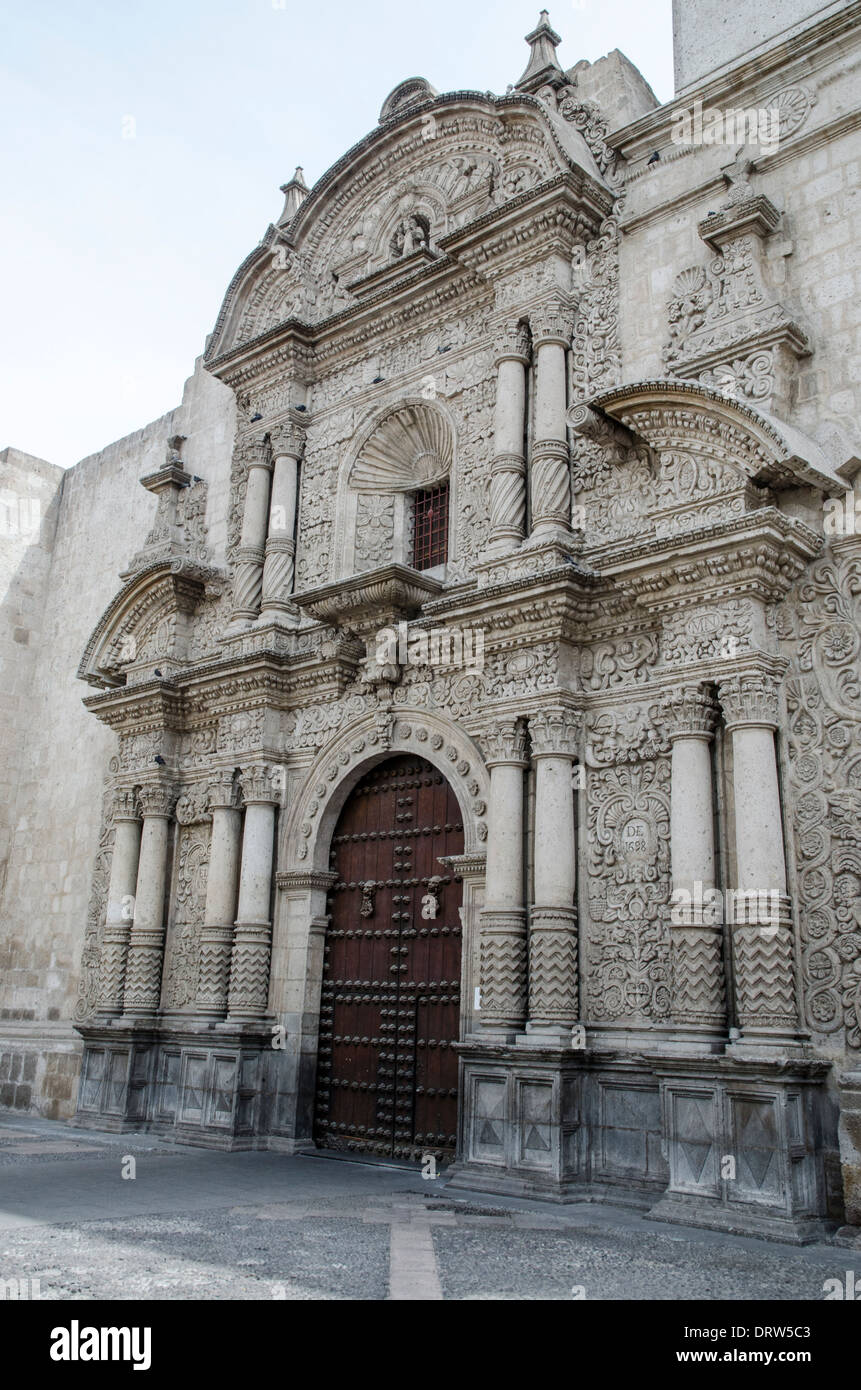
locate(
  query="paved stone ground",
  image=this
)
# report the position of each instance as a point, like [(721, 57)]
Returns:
[(194, 1224)]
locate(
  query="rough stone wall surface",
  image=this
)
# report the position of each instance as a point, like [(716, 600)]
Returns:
[(29, 505), (708, 34), (102, 518)]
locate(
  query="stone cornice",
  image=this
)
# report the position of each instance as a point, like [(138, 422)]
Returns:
[(303, 880)]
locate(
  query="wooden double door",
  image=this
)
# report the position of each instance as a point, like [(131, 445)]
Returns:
[(386, 1068)]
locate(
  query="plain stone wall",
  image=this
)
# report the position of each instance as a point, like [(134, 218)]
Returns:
[(708, 34), (103, 518), (29, 505)]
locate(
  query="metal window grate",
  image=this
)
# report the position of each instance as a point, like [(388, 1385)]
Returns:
[(430, 527)]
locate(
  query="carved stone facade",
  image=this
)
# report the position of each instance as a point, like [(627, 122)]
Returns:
[(635, 660)]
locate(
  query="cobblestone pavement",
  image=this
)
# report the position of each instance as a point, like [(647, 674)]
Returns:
[(193, 1224)]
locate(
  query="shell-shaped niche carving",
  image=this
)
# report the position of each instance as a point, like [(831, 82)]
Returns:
[(410, 448)]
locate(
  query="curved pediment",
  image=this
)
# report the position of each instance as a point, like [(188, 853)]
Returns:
[(436, 165), (145, 627)]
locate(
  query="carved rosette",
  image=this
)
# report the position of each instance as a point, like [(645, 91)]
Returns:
[(764, 974), (249, 971), (551, 483), (749, 701), (699, 993), (512, 344), (503, 969), (505, 742), (555, 732), (689, 713), (553, 986)]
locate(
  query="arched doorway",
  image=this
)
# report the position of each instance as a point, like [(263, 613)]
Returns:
[(386, 1068)]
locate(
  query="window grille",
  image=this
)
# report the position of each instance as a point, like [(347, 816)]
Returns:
[(430, 527)]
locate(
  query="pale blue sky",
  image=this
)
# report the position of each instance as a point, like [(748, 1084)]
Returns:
[(116, 252)]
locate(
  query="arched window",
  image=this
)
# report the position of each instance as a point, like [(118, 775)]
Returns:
[(398, 492)]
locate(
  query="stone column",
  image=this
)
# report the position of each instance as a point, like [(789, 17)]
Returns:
[(121, 900), (696, 930), (249, 966), (762, 951), (248, 577), (287, 442), (508, 468), (553, 965), (146, 943), (503, 977), (216, 937), (550, 468)]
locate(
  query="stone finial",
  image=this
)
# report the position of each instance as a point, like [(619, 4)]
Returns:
[(543, 66), (295, 192)]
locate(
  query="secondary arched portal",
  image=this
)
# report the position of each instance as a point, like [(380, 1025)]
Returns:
[(386, 1068)]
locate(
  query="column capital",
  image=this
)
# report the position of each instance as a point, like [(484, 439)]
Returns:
[(222, 792), (555, 732), (157, 800), (511, 344), (750, 701), (689, 713), (259, 784), (505, 742), (257, 453), (287, 439), (125, 804), (552, 323)]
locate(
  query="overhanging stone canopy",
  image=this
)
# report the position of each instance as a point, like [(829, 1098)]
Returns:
[(410, 448)]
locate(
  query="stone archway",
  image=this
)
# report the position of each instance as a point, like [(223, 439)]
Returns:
[(305, 880), (387, 1071)]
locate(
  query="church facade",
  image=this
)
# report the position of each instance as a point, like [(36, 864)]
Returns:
[(470, 752)]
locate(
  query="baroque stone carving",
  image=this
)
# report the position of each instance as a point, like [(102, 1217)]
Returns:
[(189, 900), (629, 888)]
